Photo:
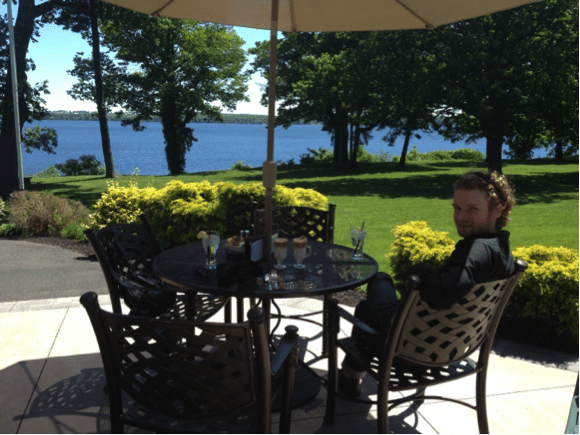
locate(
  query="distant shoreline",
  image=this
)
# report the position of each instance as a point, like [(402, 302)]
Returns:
[(229, 118)]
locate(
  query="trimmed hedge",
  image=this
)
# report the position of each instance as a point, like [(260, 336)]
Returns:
[(179, 211), (416, 243), (544, 305), (547, 293)]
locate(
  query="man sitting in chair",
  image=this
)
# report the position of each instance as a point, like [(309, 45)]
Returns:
[(482, 203)]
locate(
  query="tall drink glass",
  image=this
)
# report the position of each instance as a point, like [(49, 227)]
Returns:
[(211, 243)]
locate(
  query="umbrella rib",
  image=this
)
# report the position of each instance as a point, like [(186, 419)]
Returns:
[(292, 16), (156, 13), (427, 23)]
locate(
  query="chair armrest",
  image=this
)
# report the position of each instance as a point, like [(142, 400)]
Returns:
[(341, 312), (288, 346)]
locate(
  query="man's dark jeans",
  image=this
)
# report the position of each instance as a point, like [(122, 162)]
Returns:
[(377, 311)]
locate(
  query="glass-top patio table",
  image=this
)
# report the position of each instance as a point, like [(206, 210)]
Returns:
[(329, 269)]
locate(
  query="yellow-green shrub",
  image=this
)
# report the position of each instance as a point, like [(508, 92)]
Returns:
[(119, 204), (416, 243), (179, 211), (544, 305), (546, 297)]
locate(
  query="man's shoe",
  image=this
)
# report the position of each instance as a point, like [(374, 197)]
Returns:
[(349, 386)]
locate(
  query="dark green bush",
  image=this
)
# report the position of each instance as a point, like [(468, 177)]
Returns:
[(87, 164), (7, 230), (44, 214), (467, 154), (74, 231), (49, 172), (241, 166)]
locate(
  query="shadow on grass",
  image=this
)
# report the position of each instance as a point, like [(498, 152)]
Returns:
[(87, 193), (433, 180), (530, 189)]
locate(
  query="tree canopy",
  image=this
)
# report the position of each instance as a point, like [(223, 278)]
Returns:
[(509, 78), (175, 69)]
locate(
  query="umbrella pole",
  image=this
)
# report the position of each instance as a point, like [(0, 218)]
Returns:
[(269, 166), (15, 97)]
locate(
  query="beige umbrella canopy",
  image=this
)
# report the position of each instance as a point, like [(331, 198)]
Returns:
[(324, 15), (315, 16)]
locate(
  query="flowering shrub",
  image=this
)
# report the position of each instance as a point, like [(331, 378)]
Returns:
[(179, 210)]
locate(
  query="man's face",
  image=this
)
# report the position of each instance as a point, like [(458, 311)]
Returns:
[(471, 213)]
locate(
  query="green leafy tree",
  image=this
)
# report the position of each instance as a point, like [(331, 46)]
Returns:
[(501, 76), (30, 17), (401, 76), (321, 78), (174, 69), (40, 138)]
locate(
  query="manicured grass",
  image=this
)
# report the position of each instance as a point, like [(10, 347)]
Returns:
[(384, 195)]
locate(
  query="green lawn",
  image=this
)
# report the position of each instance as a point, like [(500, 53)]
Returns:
[(384, 195)]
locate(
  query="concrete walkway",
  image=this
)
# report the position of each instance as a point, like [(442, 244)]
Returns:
[(52, 380)]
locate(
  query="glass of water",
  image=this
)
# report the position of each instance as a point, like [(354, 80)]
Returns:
[(211, 243), (357, 236)]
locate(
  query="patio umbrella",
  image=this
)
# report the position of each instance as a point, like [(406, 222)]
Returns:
[(315, 16)]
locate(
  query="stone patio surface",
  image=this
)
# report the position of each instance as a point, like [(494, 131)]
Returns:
[(51, 375)]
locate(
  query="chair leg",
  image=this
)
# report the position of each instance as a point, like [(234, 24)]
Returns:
[(332, 332), (481, 401), (325, 332)]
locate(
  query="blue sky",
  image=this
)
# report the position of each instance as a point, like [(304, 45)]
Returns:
[(53, 55)]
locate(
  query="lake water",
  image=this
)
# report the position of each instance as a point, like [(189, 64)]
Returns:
[(219, 146)]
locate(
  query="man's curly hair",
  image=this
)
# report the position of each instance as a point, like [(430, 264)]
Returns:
[(499, 191)]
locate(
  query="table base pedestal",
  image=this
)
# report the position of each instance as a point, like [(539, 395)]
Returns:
[(306, 387)]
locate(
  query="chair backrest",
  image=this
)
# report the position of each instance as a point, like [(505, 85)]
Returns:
[(294, 221), (423, 336), (125, 253), (184, 370)]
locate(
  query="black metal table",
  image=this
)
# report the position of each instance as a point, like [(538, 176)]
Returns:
[(329, 269)]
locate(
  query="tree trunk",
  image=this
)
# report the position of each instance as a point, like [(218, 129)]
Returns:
[(559, 151), (354, 144), (175, 158), (494, 143), (23, 30), (101, 110), (341, 140), (408, 134)]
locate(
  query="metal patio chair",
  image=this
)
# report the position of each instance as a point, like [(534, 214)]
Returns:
[(125, 253), (190, 376), (425, 347)]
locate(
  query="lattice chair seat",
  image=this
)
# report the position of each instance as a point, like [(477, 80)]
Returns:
[(182, 376), (425, 347), (126, 253)]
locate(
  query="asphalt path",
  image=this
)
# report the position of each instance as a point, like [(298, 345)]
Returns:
[(32, 271)]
